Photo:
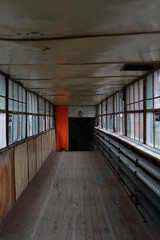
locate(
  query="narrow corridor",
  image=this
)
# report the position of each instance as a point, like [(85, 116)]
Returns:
[(75, 196)]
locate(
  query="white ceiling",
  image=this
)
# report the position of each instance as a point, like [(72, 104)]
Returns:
[(72, 51)]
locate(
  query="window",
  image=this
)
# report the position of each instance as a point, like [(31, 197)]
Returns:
[(110, 113), (153, 110), (51, 118), (134, 106), (99, 121), (2, 112), (16, 112), (103, 109), (119, 112), (47, 115), (21, 113), (32, 114), (42, 118)]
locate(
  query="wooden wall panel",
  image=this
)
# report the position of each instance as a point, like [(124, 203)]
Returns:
[(21, 168), (32, 158), (39, 152), (19, 165), (53, 135), (48, 143), (44, 147), (7, 191)]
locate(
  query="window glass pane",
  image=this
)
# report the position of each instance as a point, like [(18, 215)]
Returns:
[(47, 108), (51, 122), (41, 123), (121, 102), (15, 97), (115, 103), (19, 127), (104, 107), (110, 105), (2, 93), (118, 102), (141, 89), (149, 129), (10, 128), (137, 126), (47, 122), (100, 122), (24, 127), (131, 93), (149, 87), (127, 95), (132, 124), (10, 89), (136, 93), (2, 103), (117, 123), (127, 98), (149, 92), (149, 104), (131, 98), (10, 105), (28, 103), (141, 105), (141, 94), (157, 129), (2, 86), (24, 100), (157, 103), (121, 123), (24, 107), (36, 107), (20, 99), (41, 105), (2, 130), (110, 122), (128, 125), (15, 127), (141, 127), (29, 125), (136, 106), (36, 124), (99, 109), (157, 83), (104, 122), (33, 125), (33, 103)]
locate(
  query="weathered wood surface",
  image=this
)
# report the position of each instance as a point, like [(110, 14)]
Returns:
[(53, 140), (32, 158), (39, 152), (75, 197), (7, 193), (21, 168)]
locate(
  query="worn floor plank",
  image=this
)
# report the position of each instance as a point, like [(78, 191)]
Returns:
[(75, 196)]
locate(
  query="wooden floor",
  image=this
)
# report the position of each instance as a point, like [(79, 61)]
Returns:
[(74, 197)]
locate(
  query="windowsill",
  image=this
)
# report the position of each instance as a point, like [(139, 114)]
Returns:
[(151, 152), (27, 139)]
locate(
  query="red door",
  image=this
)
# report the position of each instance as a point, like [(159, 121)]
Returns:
[(62, 127)]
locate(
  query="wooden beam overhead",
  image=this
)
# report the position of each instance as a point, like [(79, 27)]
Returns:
[(77, 36)]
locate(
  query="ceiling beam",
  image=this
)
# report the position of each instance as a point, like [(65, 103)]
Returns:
[(77, 36), (80, 63), (40, 79)]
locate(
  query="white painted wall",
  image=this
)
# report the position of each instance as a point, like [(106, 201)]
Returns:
[(87, 111)]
